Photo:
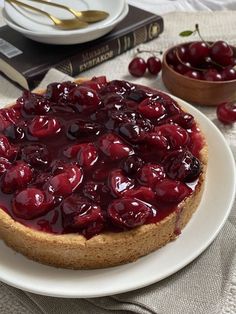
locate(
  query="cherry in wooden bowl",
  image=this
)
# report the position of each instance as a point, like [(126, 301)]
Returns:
[(194, 89)]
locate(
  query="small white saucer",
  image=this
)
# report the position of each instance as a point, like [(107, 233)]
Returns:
[(36, 22), (66, 37)]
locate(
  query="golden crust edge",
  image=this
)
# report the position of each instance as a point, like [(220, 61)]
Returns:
[(104, 250)]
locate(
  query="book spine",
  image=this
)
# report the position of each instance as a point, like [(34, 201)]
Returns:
[(108, 50)]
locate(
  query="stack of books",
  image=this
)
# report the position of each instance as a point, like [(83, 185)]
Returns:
[(26, 62)]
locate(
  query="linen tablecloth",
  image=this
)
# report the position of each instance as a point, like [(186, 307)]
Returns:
[(208, 284)]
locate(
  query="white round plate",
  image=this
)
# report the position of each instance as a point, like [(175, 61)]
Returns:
[(65, 37), (209, 218), (34, 21)]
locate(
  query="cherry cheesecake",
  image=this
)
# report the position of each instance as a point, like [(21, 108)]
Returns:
[(96, 174)]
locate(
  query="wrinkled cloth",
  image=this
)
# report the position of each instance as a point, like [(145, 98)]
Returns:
[(205, 286)]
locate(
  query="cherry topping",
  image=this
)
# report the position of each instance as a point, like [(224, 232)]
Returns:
[(9, 116), (42, 126), (183, 119), (31, 203), (4, 165), (128, 212), (118, 182), (14, 132), (150, 174), (154, 65), (86, 153), (17, 176), (175, 135), (36, 155), (132, 164), (226, 112), (171, 191), (91, 147), (80, 214), (137, 67), (66, 182), (55, 91), (34, 104), (151, 108), (182, 165), (96, 83), (80, 128), (112, 146), (96, 191), (143, 193), (6, 149), (85, 99), (132, 132), (158, 141)]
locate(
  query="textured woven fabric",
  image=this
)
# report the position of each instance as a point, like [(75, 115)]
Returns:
[(208, 284)]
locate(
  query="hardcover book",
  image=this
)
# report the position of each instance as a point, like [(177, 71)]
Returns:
[(25, 61)]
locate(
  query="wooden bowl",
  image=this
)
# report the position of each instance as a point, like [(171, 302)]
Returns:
[(199, 92)]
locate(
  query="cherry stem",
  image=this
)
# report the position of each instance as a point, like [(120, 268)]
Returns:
[(150, 51), (199, 34), (181, 61)]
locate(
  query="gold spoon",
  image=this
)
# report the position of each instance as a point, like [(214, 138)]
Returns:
[(88, 16), (63, 24)]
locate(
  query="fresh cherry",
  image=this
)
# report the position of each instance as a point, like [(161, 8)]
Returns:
[(221, 53), (137, 67), (226, 112), (228, 74), (193, 74), (198, 51), (154, 65), (212, 75)]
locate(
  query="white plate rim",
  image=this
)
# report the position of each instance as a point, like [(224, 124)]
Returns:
[(129, 285), (13, 13)]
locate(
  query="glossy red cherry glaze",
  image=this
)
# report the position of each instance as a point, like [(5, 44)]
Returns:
[(99, 156)]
